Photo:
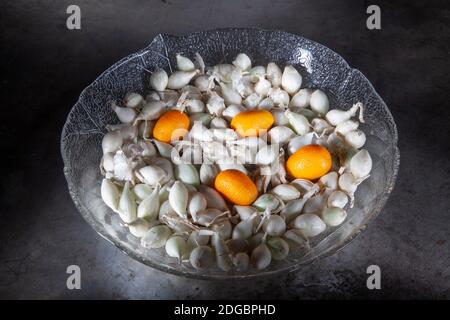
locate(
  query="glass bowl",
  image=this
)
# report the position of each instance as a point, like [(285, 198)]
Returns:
[(320, 67)]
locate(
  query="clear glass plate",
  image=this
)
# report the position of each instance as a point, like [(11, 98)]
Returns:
[(320, 68)]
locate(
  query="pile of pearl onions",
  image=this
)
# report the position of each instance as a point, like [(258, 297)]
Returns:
[(299, 117)]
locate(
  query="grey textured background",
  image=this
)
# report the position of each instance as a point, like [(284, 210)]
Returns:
[(44, 67)]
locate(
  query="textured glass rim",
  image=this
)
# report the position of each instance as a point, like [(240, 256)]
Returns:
[(336, 248)]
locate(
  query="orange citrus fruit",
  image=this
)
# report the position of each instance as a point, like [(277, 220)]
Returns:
[(236, 187), (249, 123), (170, 126), (309, 162)]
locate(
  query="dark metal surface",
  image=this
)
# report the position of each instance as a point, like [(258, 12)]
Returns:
[(45, 66)]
